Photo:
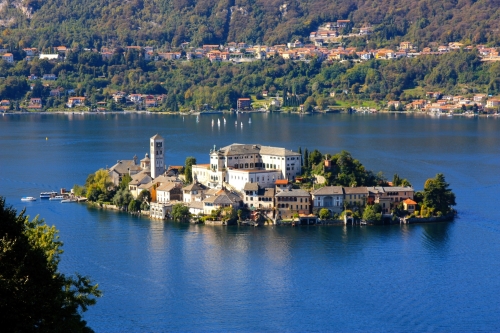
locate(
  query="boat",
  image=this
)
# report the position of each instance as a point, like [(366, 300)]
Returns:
[(236, 123), (197, 119), (218, 122), (249, 120), (67, 200), (212, 123), (241, 124), (47, 195), (28, 199), (57, 197), (224, 120)]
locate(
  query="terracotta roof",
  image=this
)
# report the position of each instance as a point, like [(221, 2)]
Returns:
[(281, 182), (409, 202)]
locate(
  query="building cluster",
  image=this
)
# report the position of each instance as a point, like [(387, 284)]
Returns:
[(255, 177), (437, 103), (323, 44)]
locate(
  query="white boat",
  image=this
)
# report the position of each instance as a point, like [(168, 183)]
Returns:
[(241, 124), (57, 197), (224, 121), (212, 123), (249, 120), (47, 195), (28, 199), (236, 123), (197, 119), (67, 200), (218, 122)]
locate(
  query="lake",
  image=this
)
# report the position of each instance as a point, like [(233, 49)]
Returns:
[(163, 276)]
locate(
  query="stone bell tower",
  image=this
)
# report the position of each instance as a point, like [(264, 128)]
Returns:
[(157, 155)]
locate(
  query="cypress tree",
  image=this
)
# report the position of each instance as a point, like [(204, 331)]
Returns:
[(306, 158)]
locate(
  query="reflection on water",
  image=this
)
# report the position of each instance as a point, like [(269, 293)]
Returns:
[(435, 236)]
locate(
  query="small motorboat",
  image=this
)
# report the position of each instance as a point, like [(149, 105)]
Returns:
[(67, 201), (47, 195), (28, 199), (57, 197)]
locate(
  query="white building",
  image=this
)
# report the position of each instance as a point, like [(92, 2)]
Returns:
[(161, 211), (329, 197), (237, 178), (157, 157), (238, 164)]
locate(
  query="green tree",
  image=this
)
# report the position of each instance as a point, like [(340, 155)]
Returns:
[(122, 198), (134, 206), (188, 169), (34, 295), (373, 214), (180, 212), (124, 182), (144, 196), (324, 214), (437, 195)]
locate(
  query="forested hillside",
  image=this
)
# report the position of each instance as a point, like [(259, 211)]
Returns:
[(95, 23)]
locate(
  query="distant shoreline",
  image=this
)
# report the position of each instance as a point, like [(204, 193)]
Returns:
[(197, 113)]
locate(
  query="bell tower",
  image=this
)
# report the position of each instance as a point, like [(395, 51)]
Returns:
[(157, 155)]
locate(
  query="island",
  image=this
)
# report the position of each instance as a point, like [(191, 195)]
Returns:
[(255, 184)]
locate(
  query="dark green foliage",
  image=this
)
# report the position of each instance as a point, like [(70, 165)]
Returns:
[(180, 213), (34, 296), (347, 171), (124, 182), (373, 214), (397, 181), (188, 169), (324, 214), (437, 195), (122, 198), (144, 196), (134, 206), (92, 24)]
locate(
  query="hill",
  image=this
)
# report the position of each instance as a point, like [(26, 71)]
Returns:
[(95, 23)]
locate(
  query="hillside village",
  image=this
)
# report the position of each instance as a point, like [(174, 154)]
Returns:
[(259, 179), (325, 44)]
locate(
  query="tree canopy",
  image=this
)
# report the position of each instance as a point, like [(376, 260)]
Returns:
[(188, 169), (34, 295), (438, 197)]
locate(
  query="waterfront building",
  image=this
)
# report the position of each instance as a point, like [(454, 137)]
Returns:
[(161, 211), (292, 201), (221, 199), (157, 155), (238, 164), (389, 197), (256, 196), (356, 196), (329, 197)]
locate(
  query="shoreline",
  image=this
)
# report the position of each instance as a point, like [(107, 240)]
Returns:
[(283, 223), (190, 113)]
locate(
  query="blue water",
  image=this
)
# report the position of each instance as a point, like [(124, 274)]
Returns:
[(160, 276)]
